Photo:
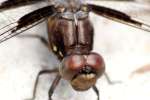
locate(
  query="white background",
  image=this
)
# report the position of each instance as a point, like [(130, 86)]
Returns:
[(124, 49)]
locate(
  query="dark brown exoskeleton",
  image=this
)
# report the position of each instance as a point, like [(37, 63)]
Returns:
[(70, 38)]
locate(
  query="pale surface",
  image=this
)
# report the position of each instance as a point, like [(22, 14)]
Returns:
[(124, 49)]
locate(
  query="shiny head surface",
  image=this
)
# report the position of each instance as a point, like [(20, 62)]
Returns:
[(82, 71)]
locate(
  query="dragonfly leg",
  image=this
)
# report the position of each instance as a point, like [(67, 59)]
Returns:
[(109, 80), (42, 39), (53, 86), (37, 80), (96, 91)]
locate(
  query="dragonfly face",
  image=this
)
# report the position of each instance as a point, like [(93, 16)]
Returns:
[(82, 70)]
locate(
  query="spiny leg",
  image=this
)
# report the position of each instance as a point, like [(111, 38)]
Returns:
[(58, 77), (96, 91), (42, 39), (37, 80), (109, 80), (53, 86)]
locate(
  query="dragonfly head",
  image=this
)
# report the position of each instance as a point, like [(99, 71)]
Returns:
[(82, 71)]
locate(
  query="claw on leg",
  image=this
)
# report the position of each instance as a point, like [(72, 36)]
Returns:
[(109, 80), (96, 91), (53, 86)]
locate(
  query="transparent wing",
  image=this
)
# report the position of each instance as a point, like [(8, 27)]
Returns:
[(9, 4), (26, 22)]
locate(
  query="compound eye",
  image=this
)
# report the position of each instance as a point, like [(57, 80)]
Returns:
[(71, 65), (96, 62), (74, 62)]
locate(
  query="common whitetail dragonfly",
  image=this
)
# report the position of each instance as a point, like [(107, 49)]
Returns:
[(70, 37)]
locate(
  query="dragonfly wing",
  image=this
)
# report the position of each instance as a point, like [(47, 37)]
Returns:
[(26, 22), (9, 4), (118, 16)]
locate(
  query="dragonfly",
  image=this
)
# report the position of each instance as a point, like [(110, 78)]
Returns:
[(70, 35)]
